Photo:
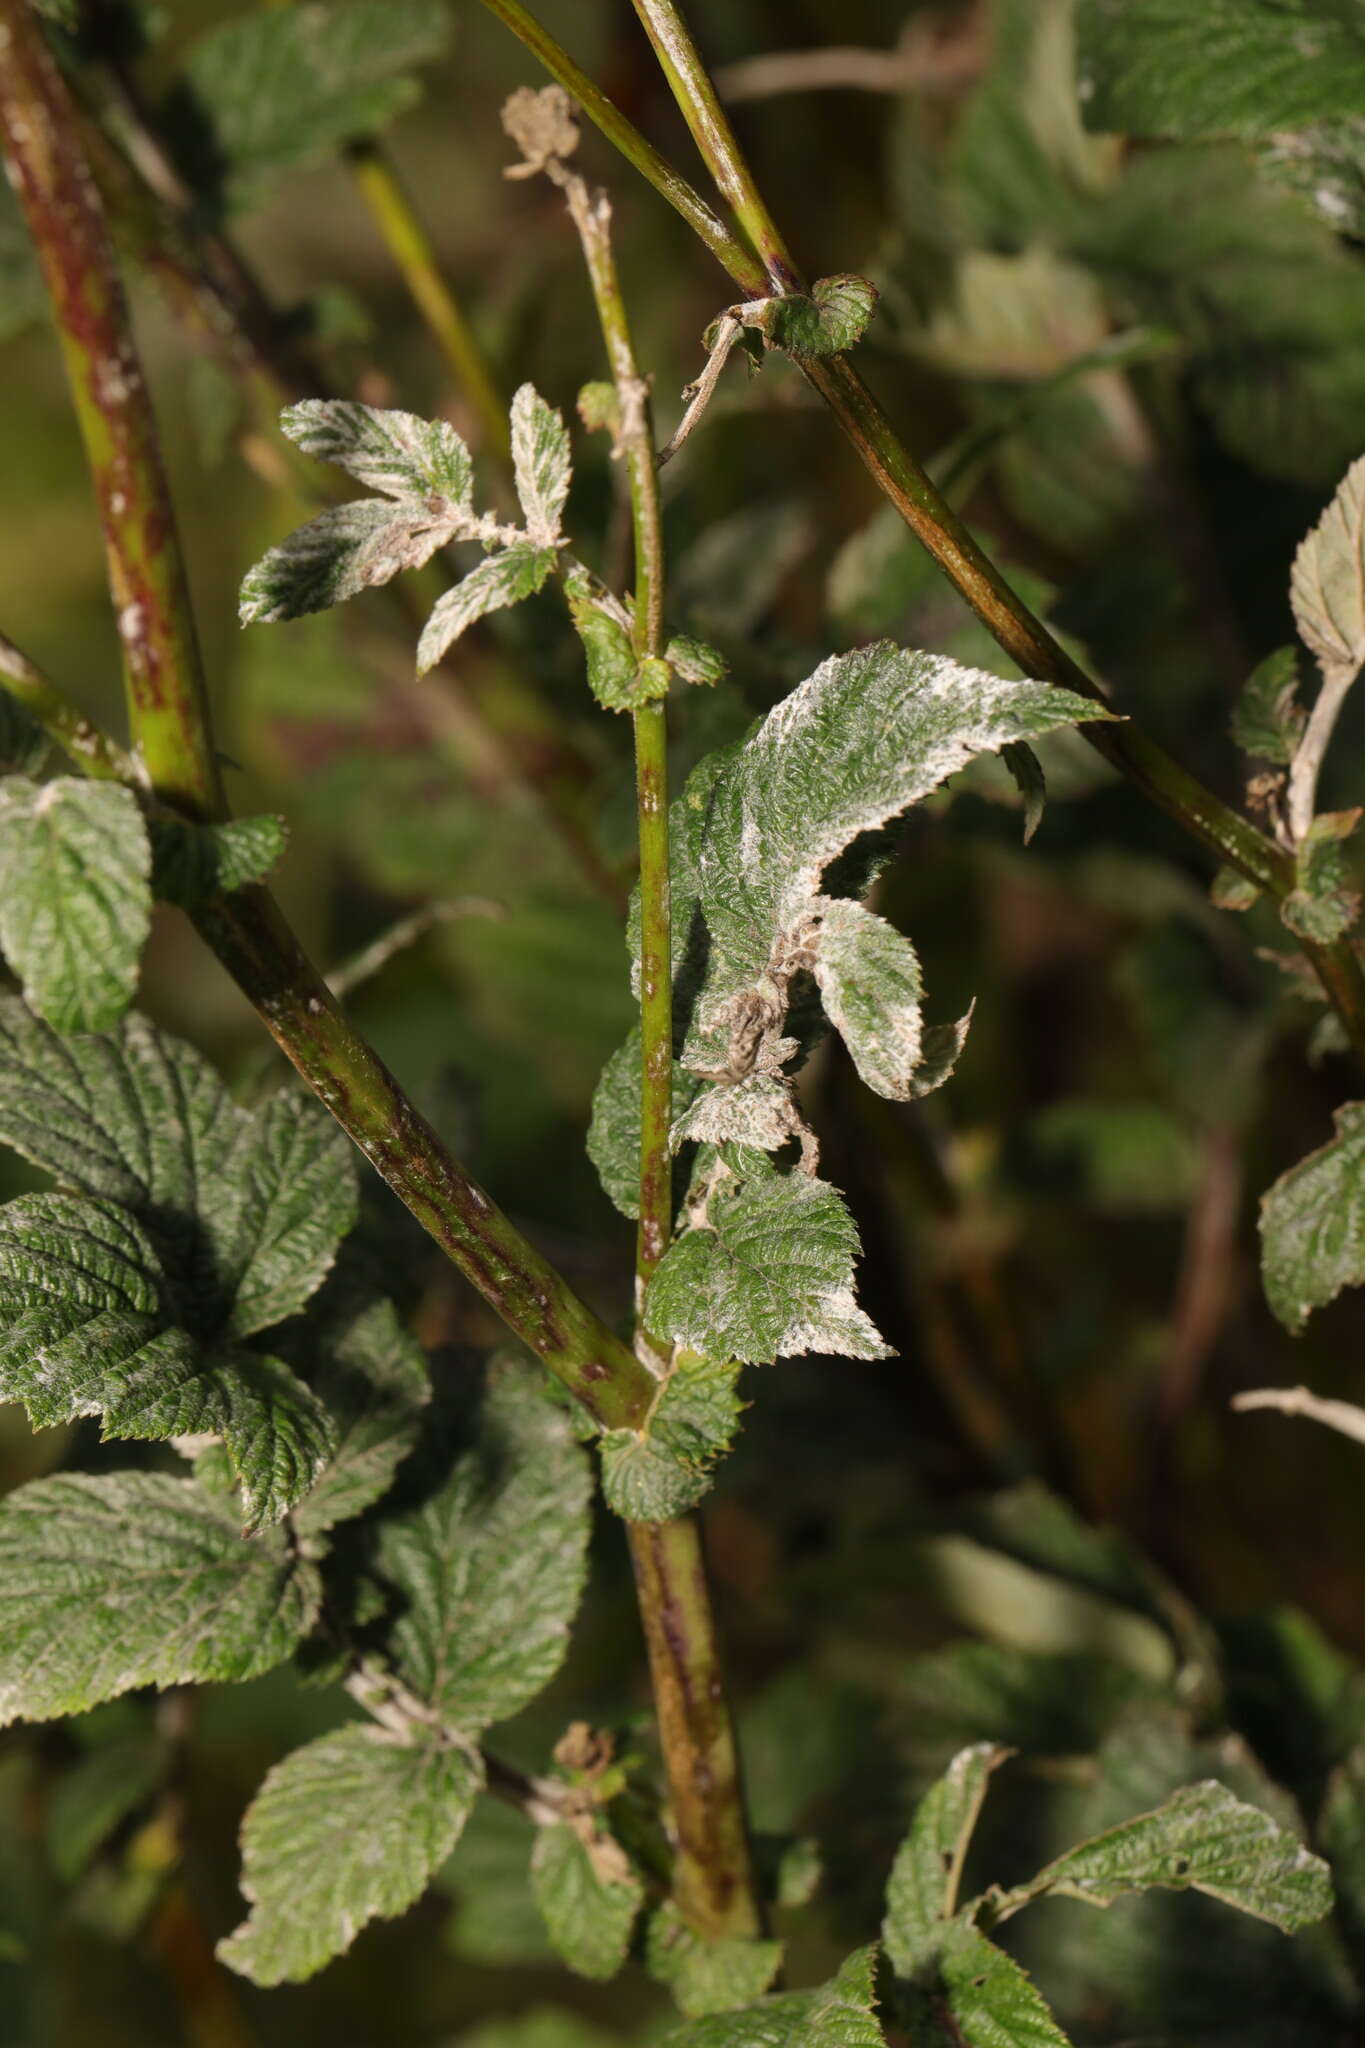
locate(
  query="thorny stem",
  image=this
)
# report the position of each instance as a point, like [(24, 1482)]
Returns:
[(924, 511), (170, 724), (713, 1880), (409, 244)]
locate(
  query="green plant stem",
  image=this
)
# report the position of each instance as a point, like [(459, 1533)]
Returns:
[(713, 1879), (919, 504), (711, 131), (713, 1884), (410, 245), (170, 726), (90, 750), (167, 706)]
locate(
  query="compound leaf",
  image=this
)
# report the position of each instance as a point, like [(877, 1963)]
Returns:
[(503, 579), (769, 1275), (136, 1579), (921, 1896), (588, 1896), (490, 1565), (840, 2014), (1313, 1224), (1203, 1839), (540, 457), (75, 900), (663, 1470), (348, 1829)]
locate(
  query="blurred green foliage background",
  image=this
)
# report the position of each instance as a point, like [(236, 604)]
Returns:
[(1142, 368)]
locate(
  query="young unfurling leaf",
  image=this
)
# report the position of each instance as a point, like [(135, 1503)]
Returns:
[(540, 457)]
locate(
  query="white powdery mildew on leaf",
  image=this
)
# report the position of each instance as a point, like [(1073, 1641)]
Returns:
[(588, 1898), (394, 452), (870, 984), (662, 1470), (865, 737), (1327, 585), (769, 1275), (503, 579), (136, 1579), (75, 896), (346, 1830), (540, 457), (840, 2014), (347, 549), (1201, 1839), (491, 1565), (755, 1111), (1313, 1224)]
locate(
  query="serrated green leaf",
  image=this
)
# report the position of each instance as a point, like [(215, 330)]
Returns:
[(83, 1307), (541, 462), (993, 2002), (870, 984), (1203, 68), (707, 1976), (111, 1583), (275, 89), (922, 1894), (346, 549), (491, 1564), (1202, 1839), (588, 1896), (75, 901), (24, 746), (831, 320), (294, 1194), (1324, 906), (613, 668), (371, 1378), (861, 740), (1327, 584), (1268, 720), (346, 1830), (840, 2014), (503, 579), (664, 1469), (191, 863), (387, 450), (769, 1275), (1313, 1224)]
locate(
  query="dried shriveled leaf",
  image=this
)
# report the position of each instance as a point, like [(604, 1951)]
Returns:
[(349, 1829), (770, 1275), (75, 896), (111, 1583), (1313, 1224)]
